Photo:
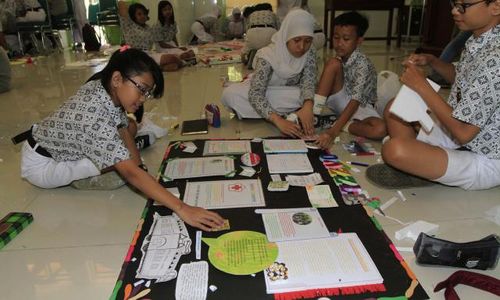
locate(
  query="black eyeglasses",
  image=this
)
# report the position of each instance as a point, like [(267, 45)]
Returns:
[(461, 7), (148, 94)]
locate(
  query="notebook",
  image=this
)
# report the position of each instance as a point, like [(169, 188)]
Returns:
[(194, 127)]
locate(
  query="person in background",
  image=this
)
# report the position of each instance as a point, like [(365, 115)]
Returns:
[(236, 26), (166, 25), (284, 6), (166, 31), (284, 79), (5, 72), (138, 34), (261, 25), (204, 27)]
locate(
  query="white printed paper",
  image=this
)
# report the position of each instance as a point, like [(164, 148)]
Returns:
[(162, 248), (293, 224), (225, 194), (409, 106), (321, 196), (333, 262), (181, 168), (311, 179), (247, 171), (192, 282), (284, 146), (288, 163), (189, 147), (226, 147)]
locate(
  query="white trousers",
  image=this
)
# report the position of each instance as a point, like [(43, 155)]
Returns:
[(466, 169), (47, 173), (283, 99)]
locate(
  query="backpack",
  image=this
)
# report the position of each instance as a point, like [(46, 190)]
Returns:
[(90, 39)]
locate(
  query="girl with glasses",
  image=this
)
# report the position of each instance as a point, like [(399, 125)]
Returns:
[(88, 141)]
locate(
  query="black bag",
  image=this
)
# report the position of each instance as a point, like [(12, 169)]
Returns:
[(90, 39), (482, 254)]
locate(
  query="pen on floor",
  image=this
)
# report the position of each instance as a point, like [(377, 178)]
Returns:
[(355, 163)]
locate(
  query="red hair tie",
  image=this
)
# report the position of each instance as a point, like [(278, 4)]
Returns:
[(124, 48)]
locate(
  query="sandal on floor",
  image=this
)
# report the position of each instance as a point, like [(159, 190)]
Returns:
[(107, 181), (387, 177)]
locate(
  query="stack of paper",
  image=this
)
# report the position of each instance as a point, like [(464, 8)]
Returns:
[(288, 163), (334, 262), (284, 146), (226, 147)]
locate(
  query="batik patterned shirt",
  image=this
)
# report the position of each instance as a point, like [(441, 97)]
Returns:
[(262, 17), (475, 95), (165, 33), (85, 126), (360, 78), (140, 37), (306, 80)]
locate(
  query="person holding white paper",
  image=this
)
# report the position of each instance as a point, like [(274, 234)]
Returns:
[(464, 149)]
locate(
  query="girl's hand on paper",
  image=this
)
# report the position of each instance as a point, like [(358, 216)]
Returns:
[(287, 127), (306, 118), (325, 139), (199, 217)]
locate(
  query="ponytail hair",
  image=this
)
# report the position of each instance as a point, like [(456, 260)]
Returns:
[(131, 62)]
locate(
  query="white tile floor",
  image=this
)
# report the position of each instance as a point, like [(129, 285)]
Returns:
[(75, 246)]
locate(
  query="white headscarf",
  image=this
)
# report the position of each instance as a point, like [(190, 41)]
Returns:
[(298, 22)]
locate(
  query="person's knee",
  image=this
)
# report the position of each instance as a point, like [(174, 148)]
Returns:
[(395, 151), (387, 112), (379, 130), (333, 64)]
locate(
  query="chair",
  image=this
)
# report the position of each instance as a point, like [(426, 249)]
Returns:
[(36, 27), (108, 16), (66, 21), (108, 13), (92, 13)]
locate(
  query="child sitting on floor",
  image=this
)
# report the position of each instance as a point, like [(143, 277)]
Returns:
[(140, 35), (283, 81), (464, 148), (349, 84), (89, 135)]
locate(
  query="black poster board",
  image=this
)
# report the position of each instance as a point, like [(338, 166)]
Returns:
[(343, 218)]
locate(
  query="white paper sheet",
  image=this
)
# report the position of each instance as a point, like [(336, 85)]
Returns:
[(180, 168), (162, 248), (321, 196), (226, 147), (192, 282), (339, 261), (293, 224), (225, 194), (288, 163), (284, 146), (409, 106), (311, 179)]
